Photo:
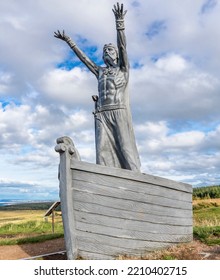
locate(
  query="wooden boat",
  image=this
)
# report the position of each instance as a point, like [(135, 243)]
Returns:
[(109, 212)]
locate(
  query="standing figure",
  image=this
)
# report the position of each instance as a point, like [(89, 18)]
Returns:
[(114, 135)]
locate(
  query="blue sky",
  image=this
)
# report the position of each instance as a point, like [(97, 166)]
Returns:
[(45, 92)]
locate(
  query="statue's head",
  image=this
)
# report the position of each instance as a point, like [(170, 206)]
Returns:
[(110, 55)]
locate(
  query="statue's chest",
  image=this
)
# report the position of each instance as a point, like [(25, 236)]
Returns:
[(111, 77)]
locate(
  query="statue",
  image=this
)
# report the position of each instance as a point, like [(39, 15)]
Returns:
[(114, 135)]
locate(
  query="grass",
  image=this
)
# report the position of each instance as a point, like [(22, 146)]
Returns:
[(208, 235), (22, 226), (20, 216), (206, 213), (206, 221), (189, 251), (33, 239), (30, 227)]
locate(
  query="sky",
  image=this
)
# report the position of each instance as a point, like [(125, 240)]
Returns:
[(45, 92)]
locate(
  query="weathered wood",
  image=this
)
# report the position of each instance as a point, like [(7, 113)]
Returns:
[(130, 185), (133, 244), (94, 188), (109, 211), (134, 234), (100, 248), (125, 214), (112, 251), (66, 150), (130, 205), (93, 256), (52, 208), (130, 175), (115, 222)]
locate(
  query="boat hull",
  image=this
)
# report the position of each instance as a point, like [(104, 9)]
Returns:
[(108, 212)]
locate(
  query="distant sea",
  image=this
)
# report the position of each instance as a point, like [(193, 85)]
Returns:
[(5, 202)]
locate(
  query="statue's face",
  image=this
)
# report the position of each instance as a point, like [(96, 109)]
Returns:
[(110, 54)]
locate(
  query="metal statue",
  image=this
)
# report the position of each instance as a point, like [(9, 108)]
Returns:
[(114, 135)]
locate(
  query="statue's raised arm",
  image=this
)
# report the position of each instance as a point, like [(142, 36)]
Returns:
[(81, 55), (119, 13)]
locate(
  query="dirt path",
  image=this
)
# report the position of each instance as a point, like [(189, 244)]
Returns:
[(192, 251), (15, 252)]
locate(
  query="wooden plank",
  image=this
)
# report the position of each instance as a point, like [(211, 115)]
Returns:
[(93, 188), (120, 242), (119, 223), (129, 205), (129, 185), (52, 208), (131, 175), (106, 249), (139, 216), (93, 256), (113, 251), (133, 234)]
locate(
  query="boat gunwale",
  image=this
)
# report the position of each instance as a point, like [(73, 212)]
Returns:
[(130, 175)]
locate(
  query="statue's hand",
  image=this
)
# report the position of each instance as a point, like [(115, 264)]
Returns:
[(119, 12), (61, 36)]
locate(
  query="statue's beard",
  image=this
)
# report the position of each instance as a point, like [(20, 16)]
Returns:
[(109, 61)]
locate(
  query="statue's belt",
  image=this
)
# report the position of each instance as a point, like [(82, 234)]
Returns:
[(108, 108)]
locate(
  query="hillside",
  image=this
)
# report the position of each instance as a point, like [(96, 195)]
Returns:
[(28, 206)]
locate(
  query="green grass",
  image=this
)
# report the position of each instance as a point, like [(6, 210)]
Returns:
[(30, 227), (208, 235), (206, 215), (33, 239), (206, 220)]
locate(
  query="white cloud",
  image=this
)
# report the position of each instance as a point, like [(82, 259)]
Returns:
[(174, 88), (71, 88), (172, 64), (158, 139), (190, 155), (184, 140)]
